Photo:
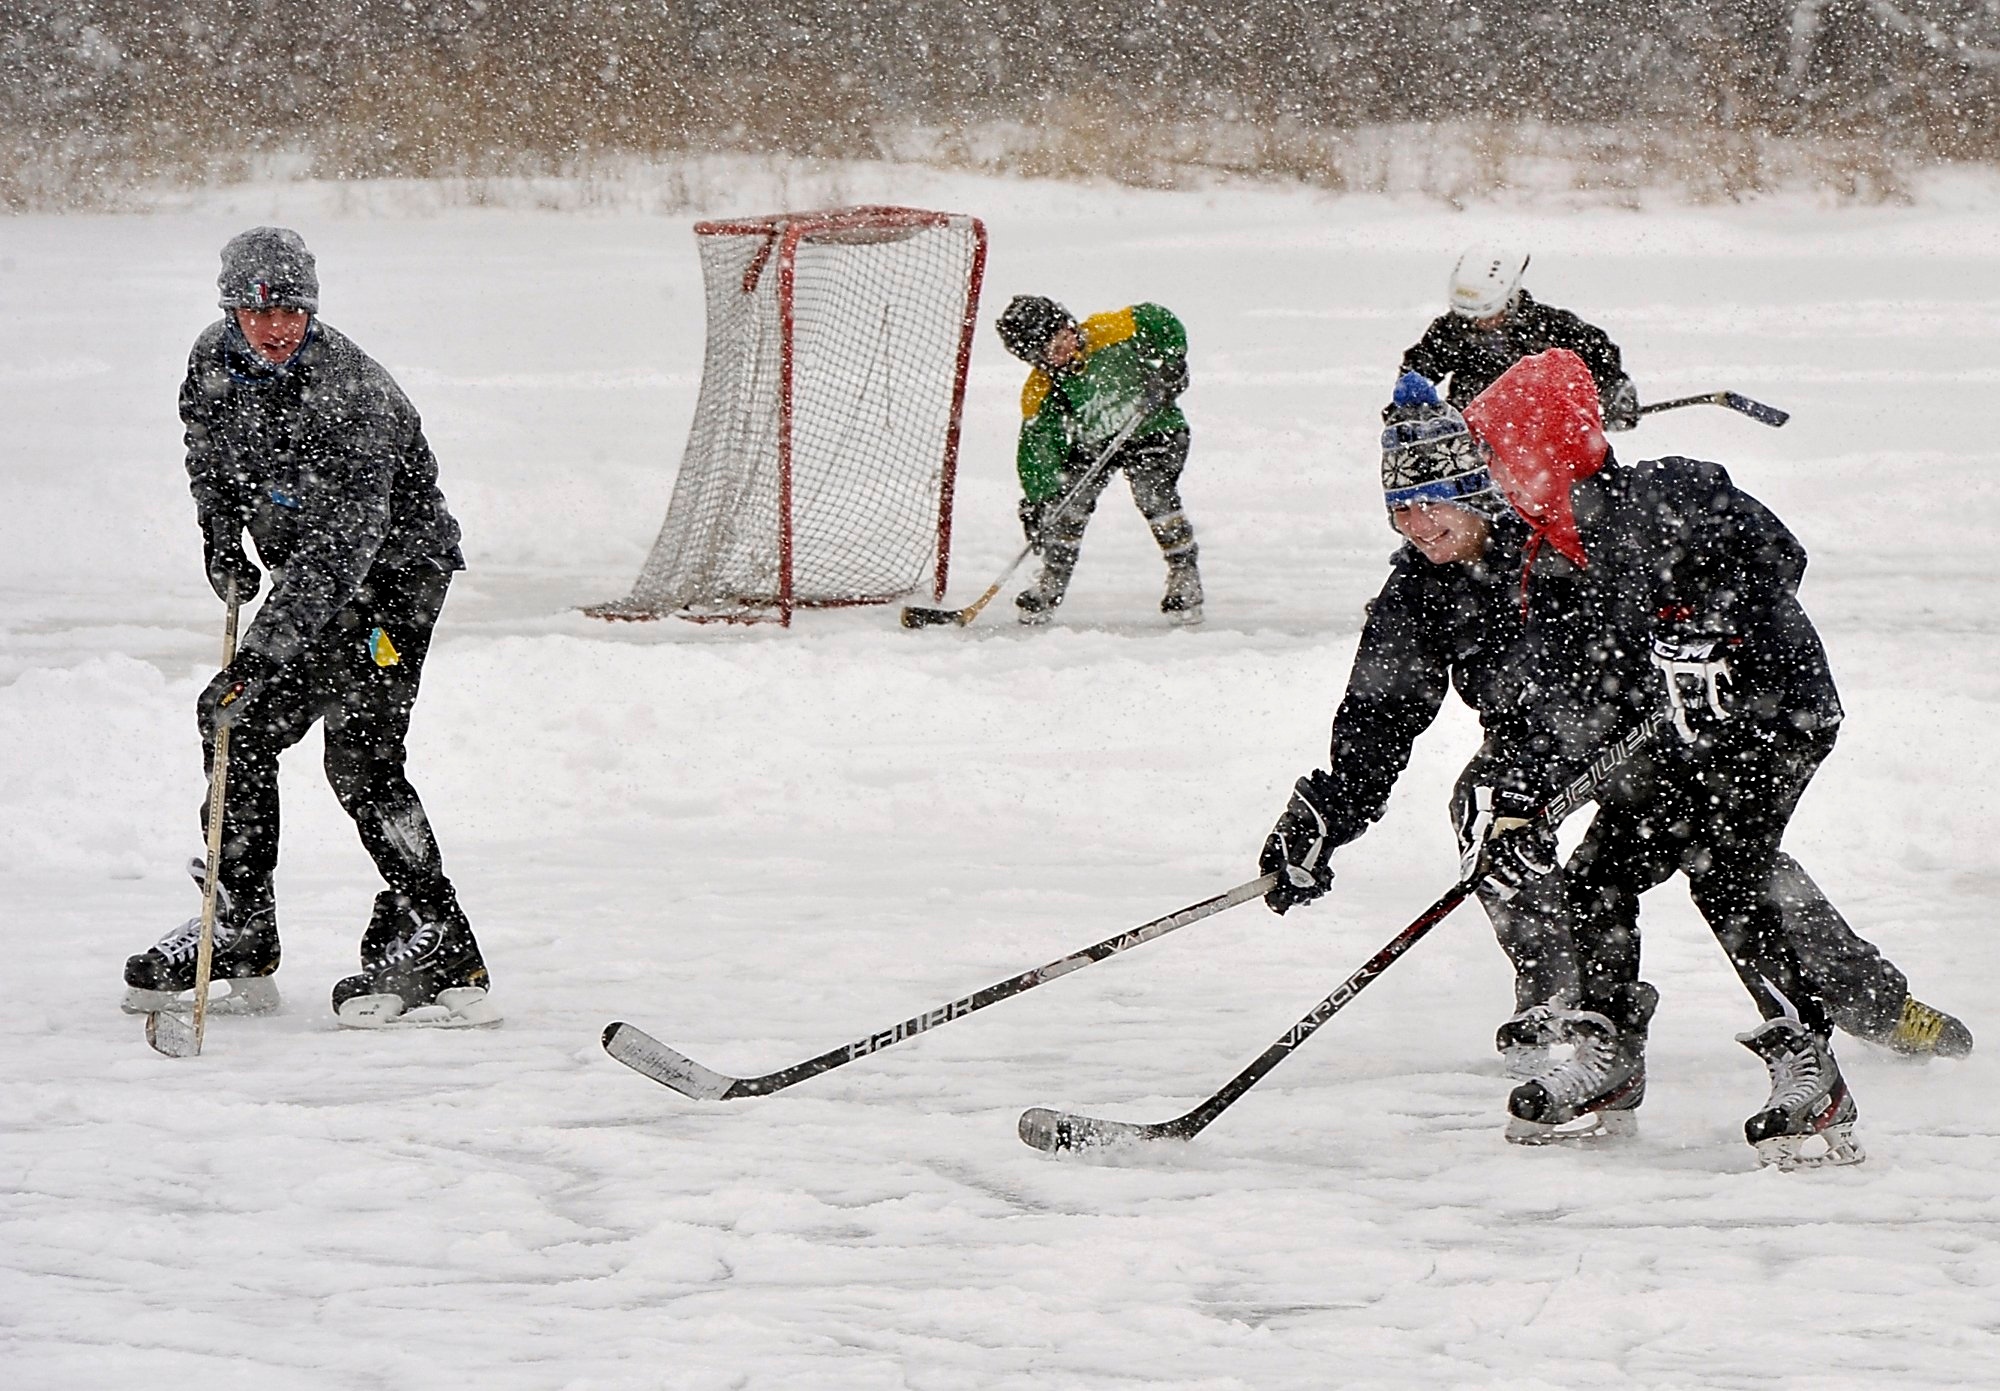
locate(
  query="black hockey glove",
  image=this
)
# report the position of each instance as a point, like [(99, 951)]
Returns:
[(1696, 670), (1167, 380), (1034, 515), (1621, 406), (232, 690), (1300, 845), (1503, 845), (226, 561)]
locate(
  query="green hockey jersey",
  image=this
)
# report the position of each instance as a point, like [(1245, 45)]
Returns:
[(1079, 409)]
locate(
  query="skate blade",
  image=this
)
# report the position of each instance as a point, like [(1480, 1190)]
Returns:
[(1595, 1126), (462, 1007), (248, 995), (1184, 618), (1783, 1152)]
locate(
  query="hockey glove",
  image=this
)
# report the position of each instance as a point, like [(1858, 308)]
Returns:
[(1696, 670), (1299, 846), (230, 693), (1033, 516), (226, 561), (1167, 380), (1621, 406), (1503, 845)]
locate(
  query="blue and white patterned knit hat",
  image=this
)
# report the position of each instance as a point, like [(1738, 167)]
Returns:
[(1428, 454)]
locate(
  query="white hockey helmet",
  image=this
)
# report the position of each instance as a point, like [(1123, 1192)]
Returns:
[(1485, 279)]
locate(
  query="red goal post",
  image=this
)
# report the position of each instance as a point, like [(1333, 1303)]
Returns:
[(820, 467)]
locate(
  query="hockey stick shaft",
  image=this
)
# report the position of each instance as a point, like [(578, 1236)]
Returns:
[(164, 1031), (651, 1058), (915, 617), (1052, 1130), (1732, 400)]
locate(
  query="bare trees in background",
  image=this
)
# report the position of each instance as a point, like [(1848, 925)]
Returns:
[(109, 91)]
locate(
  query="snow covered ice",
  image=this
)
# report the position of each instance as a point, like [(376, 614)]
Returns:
[(757, 844)]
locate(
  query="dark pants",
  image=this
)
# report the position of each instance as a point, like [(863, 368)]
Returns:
[(1861, 989), (1152, 465), (346, 680), (1718, 820)]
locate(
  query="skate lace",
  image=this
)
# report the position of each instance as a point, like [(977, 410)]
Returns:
[(1582, 1075), (1795, 1078), (185, 940), (418, 944)]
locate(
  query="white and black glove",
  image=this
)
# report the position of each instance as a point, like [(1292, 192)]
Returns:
[(1621, 406), (1502, 844), (1698, 680), (1299, 846)]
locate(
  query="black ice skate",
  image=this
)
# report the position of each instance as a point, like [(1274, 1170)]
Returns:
[(418, 967), (243, 958), (1593, 1093), (1524, 1042), (1924, 1031), (1182, 602), (1808, 1097), (1036, 606)]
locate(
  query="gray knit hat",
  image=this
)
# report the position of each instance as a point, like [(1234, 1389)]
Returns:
[(268, 268)]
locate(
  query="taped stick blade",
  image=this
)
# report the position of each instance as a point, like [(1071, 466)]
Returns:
[(172, 1034), (670, 1067), (1065, 1132)]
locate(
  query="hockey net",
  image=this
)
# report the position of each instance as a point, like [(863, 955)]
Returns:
[(820, 465)]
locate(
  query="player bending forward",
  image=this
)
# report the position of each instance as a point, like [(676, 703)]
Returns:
[(1449, 616), (296, 434), (1087, 382), (1649, 588)]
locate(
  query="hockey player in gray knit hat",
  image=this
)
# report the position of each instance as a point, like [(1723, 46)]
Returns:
[(299, 438)]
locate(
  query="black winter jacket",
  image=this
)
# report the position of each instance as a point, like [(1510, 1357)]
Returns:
[(1473, 357), (1430, 629), (325, 461), (1675, 550)]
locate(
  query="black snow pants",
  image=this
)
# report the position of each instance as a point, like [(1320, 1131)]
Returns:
[(1718, 819), (1862, 989), (359, 678)]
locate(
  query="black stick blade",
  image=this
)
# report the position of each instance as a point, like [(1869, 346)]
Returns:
[(1756, 410), (929, 618)]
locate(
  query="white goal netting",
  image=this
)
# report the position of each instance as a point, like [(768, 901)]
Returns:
[(819, 468)]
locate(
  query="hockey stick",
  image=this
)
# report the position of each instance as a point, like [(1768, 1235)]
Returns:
[(1060, 1131), (1756, 410), (167, 1031), (669, 1067), (914, 617)]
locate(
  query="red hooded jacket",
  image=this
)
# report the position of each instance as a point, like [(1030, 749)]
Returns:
[(1542, 421)]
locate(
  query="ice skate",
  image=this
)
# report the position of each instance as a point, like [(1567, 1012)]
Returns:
[(1182, 602), (1037, 602), (1525, 1042), (1809, 1098), (243, 958), (430, 974), (1924, 1031), (1593, 1093)]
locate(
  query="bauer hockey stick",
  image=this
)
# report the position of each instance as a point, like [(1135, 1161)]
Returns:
[(914, 617), (168, 1031), (1756, 410), (1062, 1131), (649, 1057)]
